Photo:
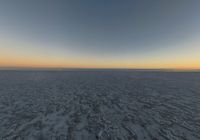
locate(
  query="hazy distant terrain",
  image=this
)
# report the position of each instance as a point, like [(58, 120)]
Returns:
[(99, 105)]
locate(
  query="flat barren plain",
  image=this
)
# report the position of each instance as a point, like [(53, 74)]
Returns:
[(99, 105)]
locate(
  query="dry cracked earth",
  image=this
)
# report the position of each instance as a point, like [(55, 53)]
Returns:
[(99, 105)]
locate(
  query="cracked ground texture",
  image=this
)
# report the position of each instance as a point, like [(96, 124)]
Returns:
[(99, 105)]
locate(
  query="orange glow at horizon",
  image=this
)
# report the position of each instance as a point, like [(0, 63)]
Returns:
[(6, 62), (123, 34), (16, 55)]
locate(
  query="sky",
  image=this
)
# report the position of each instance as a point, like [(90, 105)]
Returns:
[(141, 34)]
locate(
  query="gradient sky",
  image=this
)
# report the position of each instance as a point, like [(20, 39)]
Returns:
[(100, 33)]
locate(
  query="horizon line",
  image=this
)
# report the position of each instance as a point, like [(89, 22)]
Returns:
[(98, 68)]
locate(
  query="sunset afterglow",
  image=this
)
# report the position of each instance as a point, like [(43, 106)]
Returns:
[(63, 34)]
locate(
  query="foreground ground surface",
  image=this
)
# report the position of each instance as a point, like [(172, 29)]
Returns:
[(99, 105)]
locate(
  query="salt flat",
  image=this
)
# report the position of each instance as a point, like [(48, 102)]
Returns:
[(99, 105)]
